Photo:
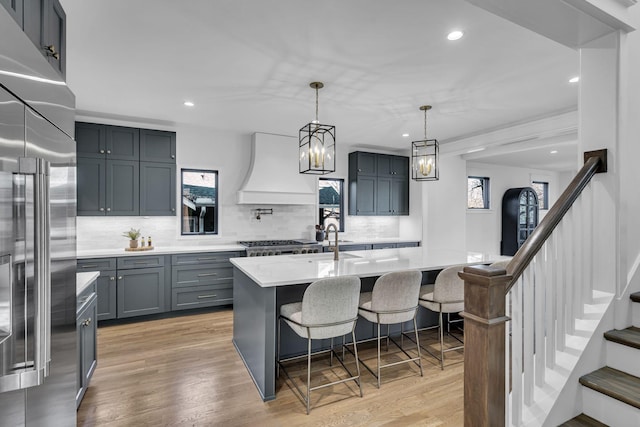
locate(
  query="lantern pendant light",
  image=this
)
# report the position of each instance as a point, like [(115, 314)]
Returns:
[(317, 144), (424, 155)]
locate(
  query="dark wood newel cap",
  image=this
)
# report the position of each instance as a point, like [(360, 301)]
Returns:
[(485, 270)]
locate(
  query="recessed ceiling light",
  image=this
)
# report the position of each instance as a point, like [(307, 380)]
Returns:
[(554, 151), (455, 35), (405, 135), (189, 103), (575, 79)]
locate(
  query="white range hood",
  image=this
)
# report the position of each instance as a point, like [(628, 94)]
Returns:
[(273, 176)]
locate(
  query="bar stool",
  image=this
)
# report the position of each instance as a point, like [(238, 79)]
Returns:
[(394, 299), (329, 309), (445, 296)]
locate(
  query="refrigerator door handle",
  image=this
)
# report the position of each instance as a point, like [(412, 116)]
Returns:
[(39, 169), (42, 266)]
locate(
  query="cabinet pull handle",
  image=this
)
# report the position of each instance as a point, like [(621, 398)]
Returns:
[(207, 274), (173, 156), (207, 259), (119, 277), (108, 151), (207, 296), (101, 209), (140, 262), (108, 209), (90, 266), (112, 278), (51, 51), (101, 151)]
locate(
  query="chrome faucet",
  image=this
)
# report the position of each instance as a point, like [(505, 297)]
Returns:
[(334, 248)]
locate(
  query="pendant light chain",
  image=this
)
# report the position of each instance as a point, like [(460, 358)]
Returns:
[(425, 124)]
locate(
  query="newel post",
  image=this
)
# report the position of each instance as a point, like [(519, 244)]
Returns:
[(484, 342)]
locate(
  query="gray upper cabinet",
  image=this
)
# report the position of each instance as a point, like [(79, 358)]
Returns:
[(107, 142), (122, 188), (157, 189), (378, 184), (157, 146), (122, 143), (15, 9), (115, 179), (44, 21)]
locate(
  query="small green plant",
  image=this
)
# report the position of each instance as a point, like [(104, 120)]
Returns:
[(132, 234)]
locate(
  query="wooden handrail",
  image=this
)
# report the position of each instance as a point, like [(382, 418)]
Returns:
[(534, 242)]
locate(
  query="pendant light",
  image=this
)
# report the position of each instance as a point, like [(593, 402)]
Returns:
[(317, 144), (424, 155)]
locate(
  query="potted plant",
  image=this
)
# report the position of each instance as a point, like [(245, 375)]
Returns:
[(133, 236)]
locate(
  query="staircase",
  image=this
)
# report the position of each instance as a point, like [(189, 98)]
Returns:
[(611, 395)]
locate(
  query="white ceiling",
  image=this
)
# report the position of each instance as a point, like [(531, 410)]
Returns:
[(247, 64)]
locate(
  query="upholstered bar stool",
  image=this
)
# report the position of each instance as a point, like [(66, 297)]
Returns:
[(446, 295), (329, 309), (394, 299)]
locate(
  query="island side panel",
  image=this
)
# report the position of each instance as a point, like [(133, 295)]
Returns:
[(254, 336)]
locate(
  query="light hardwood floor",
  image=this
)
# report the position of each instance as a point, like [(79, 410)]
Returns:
[(184, 371)]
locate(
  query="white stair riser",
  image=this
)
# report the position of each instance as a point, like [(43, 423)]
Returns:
[(608, 410), (636, 314), (623, 358)]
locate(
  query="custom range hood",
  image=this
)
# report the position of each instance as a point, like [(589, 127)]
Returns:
[(273, 177)]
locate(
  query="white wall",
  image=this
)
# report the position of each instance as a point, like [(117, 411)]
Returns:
[(229, 154), (484, 226), (443, 206)]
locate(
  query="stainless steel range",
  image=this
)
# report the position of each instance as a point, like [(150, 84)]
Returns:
[(280, 247)]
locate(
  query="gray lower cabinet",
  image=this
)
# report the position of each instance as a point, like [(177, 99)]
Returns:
[(384, 245), (105, 285), (15, 9), (141, 291), (407, 244), (201, 280), (87, 344)]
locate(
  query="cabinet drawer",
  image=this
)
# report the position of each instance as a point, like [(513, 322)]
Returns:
[(203, 258), (140, 262), (201, 296), (384, 246), (408, 245), (97, 264), (197, 275)]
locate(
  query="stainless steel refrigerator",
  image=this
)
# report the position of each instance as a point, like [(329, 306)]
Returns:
[(38, 348)]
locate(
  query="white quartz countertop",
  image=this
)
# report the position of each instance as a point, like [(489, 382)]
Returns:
[(281, 270), (84, 279), (158, 250)]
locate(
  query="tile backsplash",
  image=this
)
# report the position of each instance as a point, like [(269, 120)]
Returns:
[(237, 222)]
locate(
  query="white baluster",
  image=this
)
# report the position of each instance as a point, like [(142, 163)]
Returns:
[(539, 329), (577, 245), (569, 278), (587, 253), (560, 285), (550, 299), (527, 338), (508, 355), (516, 353)]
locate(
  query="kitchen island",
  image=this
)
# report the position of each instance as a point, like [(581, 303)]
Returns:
[(262, 284)]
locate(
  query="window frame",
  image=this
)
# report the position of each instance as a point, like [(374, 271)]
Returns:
[(216, 210), (486, 192), (545, 194), (341, 207)]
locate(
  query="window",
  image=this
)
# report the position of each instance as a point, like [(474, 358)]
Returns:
[(478, 192), (199, 201), (542, 191), (330, 202)]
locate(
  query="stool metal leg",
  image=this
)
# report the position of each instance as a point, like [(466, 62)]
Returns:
[(308, 374), (441, 341), (378, 355), (355, 352), (278, 349), (415, 330)]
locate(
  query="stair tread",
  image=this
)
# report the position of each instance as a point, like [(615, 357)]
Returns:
[(635, 297), (614, 383), (629, 337), (583, 420)]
